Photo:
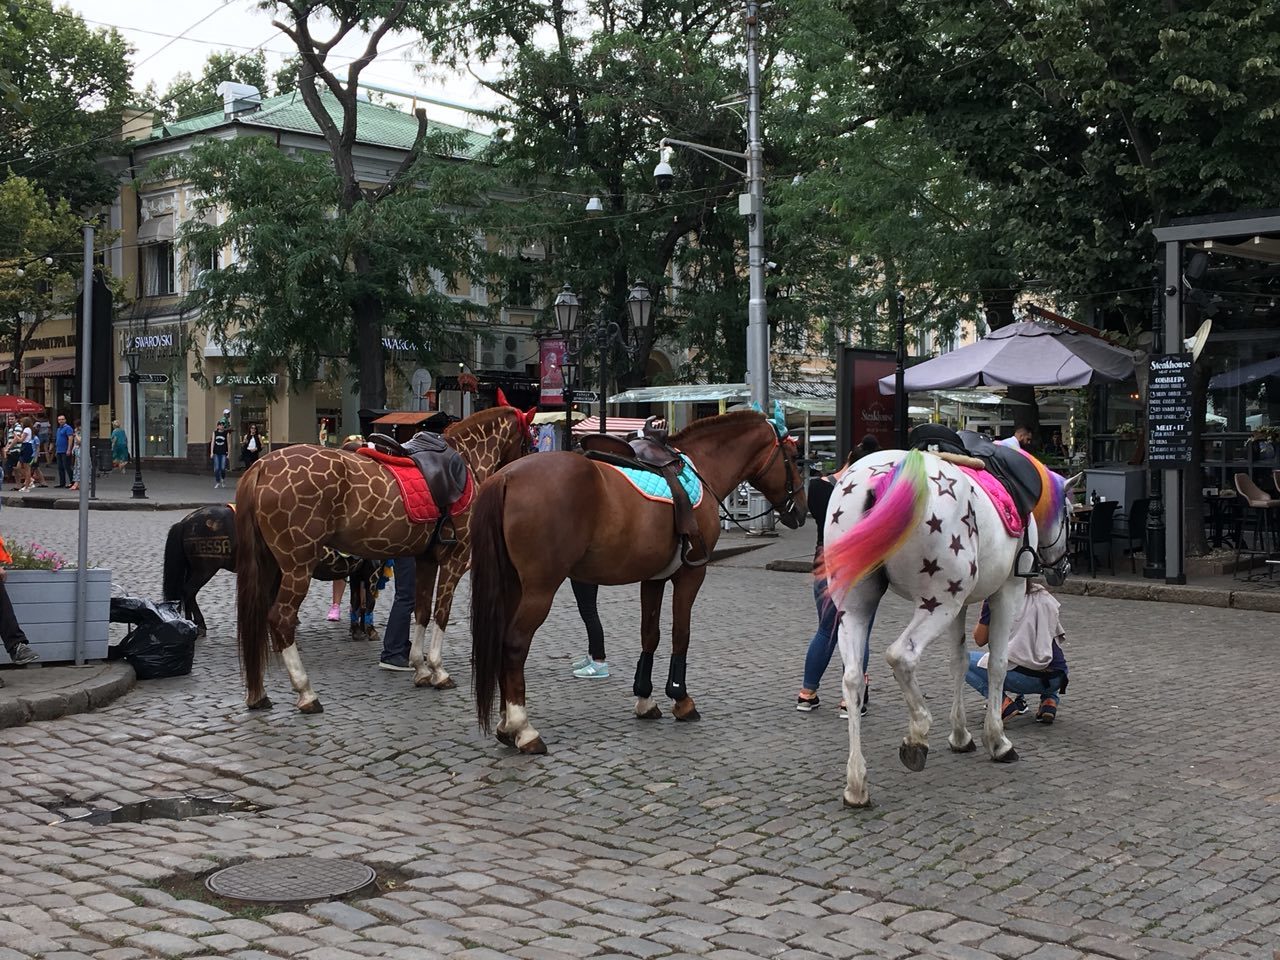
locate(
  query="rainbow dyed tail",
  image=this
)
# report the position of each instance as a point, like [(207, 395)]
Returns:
[(898, 509)]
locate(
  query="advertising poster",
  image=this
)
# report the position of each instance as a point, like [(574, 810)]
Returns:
[(861, 409), (551, 360)]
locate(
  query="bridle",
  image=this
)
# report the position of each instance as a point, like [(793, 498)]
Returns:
[(788, 504)]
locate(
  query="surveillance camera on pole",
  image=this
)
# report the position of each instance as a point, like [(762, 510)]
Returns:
[(663, 175)]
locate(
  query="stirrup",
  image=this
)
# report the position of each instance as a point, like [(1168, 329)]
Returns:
[(1026, 563)]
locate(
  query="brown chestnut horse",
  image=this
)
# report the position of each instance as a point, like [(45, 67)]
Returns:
[(296, 501), (613, 534)]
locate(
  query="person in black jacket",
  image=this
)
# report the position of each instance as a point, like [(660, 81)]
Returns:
[(824, 639)]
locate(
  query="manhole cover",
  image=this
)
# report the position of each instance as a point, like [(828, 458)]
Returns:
[(290, 878)]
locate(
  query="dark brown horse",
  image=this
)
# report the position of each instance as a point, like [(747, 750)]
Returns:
[(296, 502), (204, 542), (616, 535)]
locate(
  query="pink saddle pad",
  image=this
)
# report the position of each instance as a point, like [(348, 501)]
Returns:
[(999, 498)]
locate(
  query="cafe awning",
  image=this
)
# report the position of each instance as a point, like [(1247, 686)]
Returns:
[(618, 426), (684, 393), (61, 367), (1246, 374)]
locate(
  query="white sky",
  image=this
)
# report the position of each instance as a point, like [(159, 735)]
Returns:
[(206, 26)]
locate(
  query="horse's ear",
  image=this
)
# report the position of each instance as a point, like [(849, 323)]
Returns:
[(1070, 486), (502, 399)]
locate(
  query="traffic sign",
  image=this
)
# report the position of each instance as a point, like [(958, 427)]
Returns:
[(585, 396), (145, 378)]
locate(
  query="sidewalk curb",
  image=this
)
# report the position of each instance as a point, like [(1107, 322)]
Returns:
[(68, 503), (114, 681), (1124, 590)]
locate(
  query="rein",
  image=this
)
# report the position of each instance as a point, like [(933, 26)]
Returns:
[(787, 504)]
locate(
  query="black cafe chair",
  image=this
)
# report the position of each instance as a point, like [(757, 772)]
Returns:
[(1096, 531), (1134, 535)]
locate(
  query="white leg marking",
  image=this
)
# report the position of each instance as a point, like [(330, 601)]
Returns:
[(435, 658), (644, 705), (517, 722), (420, 671), (298, 675)]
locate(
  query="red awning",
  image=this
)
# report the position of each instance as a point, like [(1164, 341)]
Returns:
[(61, 367), (618, 426)]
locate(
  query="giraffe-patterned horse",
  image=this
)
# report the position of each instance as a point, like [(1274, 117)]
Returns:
[(295, 502)]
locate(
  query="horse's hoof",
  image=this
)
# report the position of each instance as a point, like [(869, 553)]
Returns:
[(423, 681), (262, 704), (967, 748), (445, 684), (864, 804), (315, 706), (506, 739), (691, 716), (653, 713), (1009, 756), (534, 746), (913, 756)]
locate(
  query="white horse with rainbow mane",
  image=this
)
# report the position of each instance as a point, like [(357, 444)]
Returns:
[(926, 529)]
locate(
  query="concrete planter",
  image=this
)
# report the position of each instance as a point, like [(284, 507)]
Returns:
[(44, 602)]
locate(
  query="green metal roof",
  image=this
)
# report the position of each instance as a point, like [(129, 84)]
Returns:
[(376, 124)]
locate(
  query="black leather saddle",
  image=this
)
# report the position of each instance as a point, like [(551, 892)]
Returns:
[(1014, 471), (441, 465), (650, 451)]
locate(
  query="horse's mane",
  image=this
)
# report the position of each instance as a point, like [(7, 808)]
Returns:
[(477, 421), (1053, 495), (721, 420)]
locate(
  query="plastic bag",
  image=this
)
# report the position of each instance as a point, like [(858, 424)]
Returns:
[(162, 642)]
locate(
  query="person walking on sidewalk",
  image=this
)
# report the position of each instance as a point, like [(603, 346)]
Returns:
[(119, 447), (219, 445), (62, 451)]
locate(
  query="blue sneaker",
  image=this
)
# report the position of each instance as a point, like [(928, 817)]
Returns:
[(592, 671), (581, 662)]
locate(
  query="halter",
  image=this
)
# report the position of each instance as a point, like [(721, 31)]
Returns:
[(788, 504)]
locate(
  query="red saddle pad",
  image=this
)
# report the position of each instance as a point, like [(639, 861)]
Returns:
[(414, 492)]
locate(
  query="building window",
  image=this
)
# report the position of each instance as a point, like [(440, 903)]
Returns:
[(158, 278)]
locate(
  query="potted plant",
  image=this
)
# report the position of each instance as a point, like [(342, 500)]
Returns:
[(1265, 440), (42, 588)]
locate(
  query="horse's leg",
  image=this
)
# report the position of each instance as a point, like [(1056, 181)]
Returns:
[(282, 621), (650, 629), (425, 580), (197, 577), (684, 589), (1003, 604), (960, 741), (858, 608), (515, 729), (904, 656), (451, 571)]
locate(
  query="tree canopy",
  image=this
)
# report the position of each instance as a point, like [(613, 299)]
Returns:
[(63, 86)]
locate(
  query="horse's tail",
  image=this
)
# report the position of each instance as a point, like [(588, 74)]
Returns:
[(894, 509), (495, 594), (257, 576), (176, 566)]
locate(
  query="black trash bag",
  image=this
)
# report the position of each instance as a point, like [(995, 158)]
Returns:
[(162, 642)]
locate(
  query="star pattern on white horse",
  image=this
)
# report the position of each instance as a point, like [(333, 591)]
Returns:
[(930, 566), (835, 517), (942, 478), (934, 524), (954, 586), (956, 546), (970, 520), (929, 603)]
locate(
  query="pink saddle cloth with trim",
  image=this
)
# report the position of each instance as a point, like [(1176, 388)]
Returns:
[(999, 498)]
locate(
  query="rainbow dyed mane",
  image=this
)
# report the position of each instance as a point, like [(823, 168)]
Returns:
[(899, 506), (1053, 495)]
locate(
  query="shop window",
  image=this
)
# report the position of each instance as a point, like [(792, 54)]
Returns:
[(158, 273)]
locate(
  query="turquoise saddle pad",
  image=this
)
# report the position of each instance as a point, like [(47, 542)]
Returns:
[(654, 486)]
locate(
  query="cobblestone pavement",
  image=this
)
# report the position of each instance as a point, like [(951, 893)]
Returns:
[(1144, 824)]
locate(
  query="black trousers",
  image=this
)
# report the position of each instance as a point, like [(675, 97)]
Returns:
[(10, 632), (585, 594), (64, 469)]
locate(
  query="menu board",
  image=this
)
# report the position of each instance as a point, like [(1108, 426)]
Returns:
[(1169, 411)]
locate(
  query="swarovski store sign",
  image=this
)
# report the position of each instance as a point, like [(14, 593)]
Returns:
[(161, 340)]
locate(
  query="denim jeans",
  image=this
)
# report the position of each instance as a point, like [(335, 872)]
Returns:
[(219, 467), (823, 643), (395, 638), (1014, 682)]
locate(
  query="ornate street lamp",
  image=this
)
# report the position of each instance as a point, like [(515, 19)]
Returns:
[(606, 334), (132, 355)]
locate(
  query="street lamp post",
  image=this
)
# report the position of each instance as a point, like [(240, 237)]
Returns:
[(606, 334), (750, 204), (132, 356), (899, 375)]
